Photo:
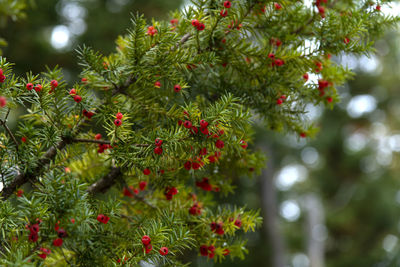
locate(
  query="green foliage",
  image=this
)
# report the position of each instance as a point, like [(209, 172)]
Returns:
[(227, 78)]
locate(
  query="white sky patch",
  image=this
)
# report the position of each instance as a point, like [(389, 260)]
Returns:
[(392, 9), (72, 11), (369, 64), (394, 142), (361, 104), (60, 37), (1, 186), (290, 210), (310, 156), (289, 175)]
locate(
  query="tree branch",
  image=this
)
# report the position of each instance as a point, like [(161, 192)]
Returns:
[(50, 154), (9, 131), (106, 182)]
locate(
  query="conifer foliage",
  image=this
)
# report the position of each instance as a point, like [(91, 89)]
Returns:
[(122, 166)]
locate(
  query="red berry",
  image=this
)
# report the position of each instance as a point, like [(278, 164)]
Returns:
[(174, 21), (61, 233), (29, 86), (223, 13), (195, 22), (77, 98), (203, 124), (188, 165), (34, 228), (303, 135), (279, 62), (71, 92), (97, 136), (346, 40), (126, 192), (119, 115), (205, 131), (378, 7), (329, 99), (243, 144), (146, 240), (226, 252), (227, 4), (305, 76), (180, 122), (194, 130), (3, 101), (223, 41), (117, 122), (33, 237), (146, 171), (157, 84), (2, 78), (164, 251), (277, 6), (177, 88), (103, 218), (38, 88), (151, 30), (43, 256), (57, 242), (84, 80), (204, 250), (20, 192), (279, 101), (158, 150), (54, 84), (321, 10), (219, 144), (72, 220), (195, 166), (238, 223), (201, 26), (187, 124), (142, 185), (148, 248), (203, 151), (211, 248), (212, 159), (158, 142)]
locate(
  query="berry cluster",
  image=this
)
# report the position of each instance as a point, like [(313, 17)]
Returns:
[(170, 192), (44, 253), (281, 99), (87, 114), (77, 98), (217, 228), (128, 192), (158, 149), (118, 119), (103, 218), (151, 31), (198, 25), (146, 241), (34, 231), (195, 209), (205, 185)]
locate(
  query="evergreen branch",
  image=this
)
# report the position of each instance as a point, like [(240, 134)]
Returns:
[(106, 182), (50, 154)]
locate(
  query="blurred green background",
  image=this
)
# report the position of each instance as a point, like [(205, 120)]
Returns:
[(332, 201)]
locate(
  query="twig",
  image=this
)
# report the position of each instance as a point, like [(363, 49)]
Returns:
[(106, 182), (79, 140), (10, 133)]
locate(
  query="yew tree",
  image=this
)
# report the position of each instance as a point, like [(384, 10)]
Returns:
[(130, 164)]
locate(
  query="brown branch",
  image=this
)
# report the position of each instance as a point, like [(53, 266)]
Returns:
[(79, 140), (50, 154), (183, 40), (106, 182), (9, 131)]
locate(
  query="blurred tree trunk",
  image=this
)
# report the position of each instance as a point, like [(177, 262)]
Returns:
[(315, 230), (269, 208)]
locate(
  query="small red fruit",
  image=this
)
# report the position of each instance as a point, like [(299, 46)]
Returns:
[(157, 84), (77, 98), (223, 13), (219, 144), (200, 26), (305, 76), (177, 88), (146, 171), (97, 136), (303, 135), (164, 251), (142, 185), (187, 124), (188, 165), (195, 22), (227, 4), (158, 142), (117, 122), (57, 242), (20, 192), (146, 240), (103, 218), (148, 248), (243, 144), (277, 6), (54, 84), (119, 115), (204, 250), (29, 86), (3, 101), (71, 92), (203, 124), (158, 150), (279, 101), (38, 88)]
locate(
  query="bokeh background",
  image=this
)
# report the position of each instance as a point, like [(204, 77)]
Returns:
[(333, 201)]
